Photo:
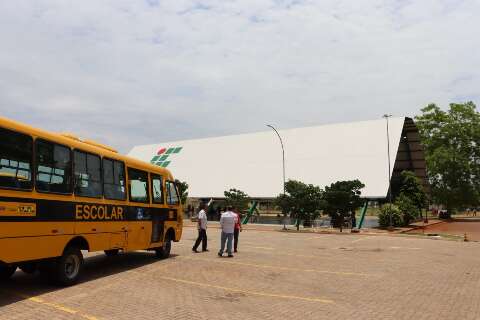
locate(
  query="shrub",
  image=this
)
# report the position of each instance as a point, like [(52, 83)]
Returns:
[(408, 209), (384, 216)]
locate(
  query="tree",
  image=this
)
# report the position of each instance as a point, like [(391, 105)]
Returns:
[(237, 199), (301, 201), (452, 151), (341, 198), (182, 187), (412, 197)]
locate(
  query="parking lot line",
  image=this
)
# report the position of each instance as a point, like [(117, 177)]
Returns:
[(217, 260), (257, 247), (361, 239), (248, 292), (56, 306)]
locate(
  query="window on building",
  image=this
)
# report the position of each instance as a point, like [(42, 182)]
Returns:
[(54, 167), (157, 189), (87, 172), (172, 194), (113, 179), (138, 184), (15, 160)]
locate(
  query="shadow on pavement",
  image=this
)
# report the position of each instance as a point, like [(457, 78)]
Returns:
[(23, 286)]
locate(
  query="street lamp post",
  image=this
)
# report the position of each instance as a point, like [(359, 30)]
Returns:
[(283, 163), (387, 116)]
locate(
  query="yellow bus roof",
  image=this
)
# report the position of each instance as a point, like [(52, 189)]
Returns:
[(87, 145)]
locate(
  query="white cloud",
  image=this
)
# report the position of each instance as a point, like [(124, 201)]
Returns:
[(133, 72)]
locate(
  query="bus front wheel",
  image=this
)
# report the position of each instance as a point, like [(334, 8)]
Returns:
[(164, 251), (6, 272), (68, 267)]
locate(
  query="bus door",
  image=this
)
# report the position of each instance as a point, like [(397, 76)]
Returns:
[(158, 216), (157, 226), (173, 201)]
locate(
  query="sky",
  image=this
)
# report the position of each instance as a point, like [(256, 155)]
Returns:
[(133, 72)]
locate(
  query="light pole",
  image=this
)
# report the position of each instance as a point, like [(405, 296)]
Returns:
[(283, 163), (390, 227)]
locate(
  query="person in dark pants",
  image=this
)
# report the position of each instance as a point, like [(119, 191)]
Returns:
[(238, 229), (354, 220), (202, 229)]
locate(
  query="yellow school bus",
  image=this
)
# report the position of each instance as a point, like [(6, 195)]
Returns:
[(60, 195)]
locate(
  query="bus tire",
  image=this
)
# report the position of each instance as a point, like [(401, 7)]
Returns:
[(164, 251), (111, 252), (67, 268), (6, 272)]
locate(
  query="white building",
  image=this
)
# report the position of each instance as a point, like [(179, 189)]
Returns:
[(318, 155)]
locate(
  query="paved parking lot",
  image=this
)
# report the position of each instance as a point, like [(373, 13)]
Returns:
[(274, 276)]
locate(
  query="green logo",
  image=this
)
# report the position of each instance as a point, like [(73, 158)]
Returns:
[(164, 156)]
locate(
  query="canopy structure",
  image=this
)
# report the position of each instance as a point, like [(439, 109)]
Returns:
[(318, 155)]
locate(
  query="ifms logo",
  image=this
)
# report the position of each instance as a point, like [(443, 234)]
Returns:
[(164, 156)]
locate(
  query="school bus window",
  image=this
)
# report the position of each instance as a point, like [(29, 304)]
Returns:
[(87, 173), (157, 189), (113, 179), (54, 167), (15, 160), (138, 183), (172, 195)]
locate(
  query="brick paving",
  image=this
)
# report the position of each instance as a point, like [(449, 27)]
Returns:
[(274, 276)]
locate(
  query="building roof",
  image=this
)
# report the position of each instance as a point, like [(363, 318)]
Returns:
[(318, 155)]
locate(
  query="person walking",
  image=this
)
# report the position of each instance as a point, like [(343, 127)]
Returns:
[(238, 229), (354, 220), (202, 229), (227, 224)]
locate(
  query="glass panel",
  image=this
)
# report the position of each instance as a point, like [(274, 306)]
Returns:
[(172, 197), (87, 175), (113, 179), (138, 182), (157, 189), (53, 167), (15, 160)]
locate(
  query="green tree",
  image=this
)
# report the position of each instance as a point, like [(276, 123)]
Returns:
[(412, 198), (301, 201), (237, 199), (182, 187), (341, 198), (452, 149)]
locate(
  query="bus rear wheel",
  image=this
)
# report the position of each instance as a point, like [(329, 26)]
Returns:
[(164, 251), (67, 268), (6, 272)]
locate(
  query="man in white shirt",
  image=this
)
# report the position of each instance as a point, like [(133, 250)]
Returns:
[(202, 229), (227, 223)]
